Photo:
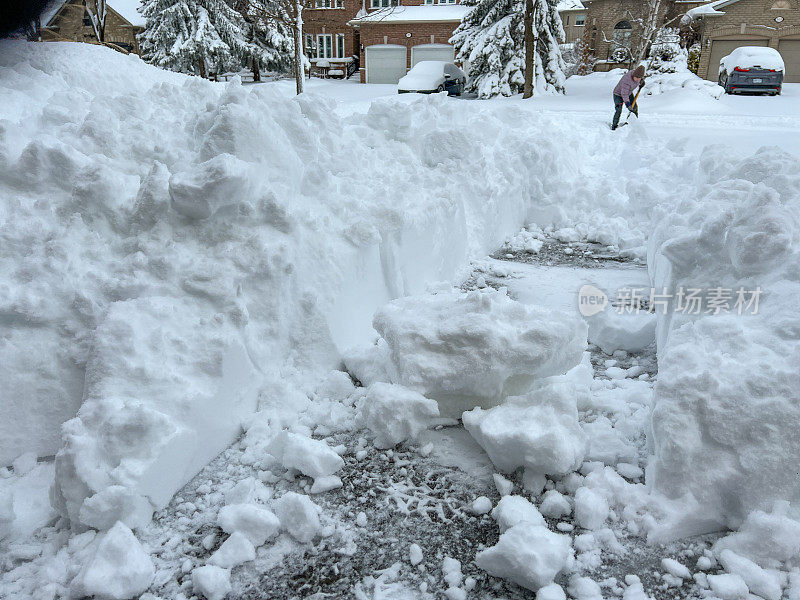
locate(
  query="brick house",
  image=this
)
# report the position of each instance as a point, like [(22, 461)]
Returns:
[(573, 17), (613, 28), (725, 25), (329, 42), (68, 20), (393, 38)]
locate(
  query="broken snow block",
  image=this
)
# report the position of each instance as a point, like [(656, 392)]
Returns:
[(395, 413), (309, 456)]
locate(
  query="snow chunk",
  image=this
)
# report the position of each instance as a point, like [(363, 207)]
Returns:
[(728, 586), (630, 332), (210, 186), (538, 431), (415, 554), (309, 456), (676, 569), (325, 484), (552, 591), (591, 508), (759, 582), (255, 522), (236, 550), (395, 413), (211, 582), (451, 572), (119, 567), (474, 349), (584, 588), (529, 555), (512, 510), (116, 503), (767, 539), (247, 491), (481, 505), (299, 516), (503, 485), (24, 463), (555, 505)]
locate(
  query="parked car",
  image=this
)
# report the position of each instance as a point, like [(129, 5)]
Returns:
[(431, 76), (752, 69)]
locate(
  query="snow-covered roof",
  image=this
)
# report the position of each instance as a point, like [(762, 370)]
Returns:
[(125, 8), (707, 10), (565, 5), (415, 14)]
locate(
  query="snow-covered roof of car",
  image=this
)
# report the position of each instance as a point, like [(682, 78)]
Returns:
[(415, 14), (753, 56), (570, 5), (127, 9)]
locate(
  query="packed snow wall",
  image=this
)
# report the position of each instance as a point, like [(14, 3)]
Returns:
[(727, 401), (169, 245)]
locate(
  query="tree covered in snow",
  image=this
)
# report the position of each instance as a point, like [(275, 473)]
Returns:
[(491, 39), (191, 35), (271, 44)]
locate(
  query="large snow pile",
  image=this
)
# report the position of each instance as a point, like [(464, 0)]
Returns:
[(166, 252), (471, 349), (727, 400)]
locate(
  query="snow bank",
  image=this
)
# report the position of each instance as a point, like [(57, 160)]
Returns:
[(728, 393), (171, 245), (474, 349)]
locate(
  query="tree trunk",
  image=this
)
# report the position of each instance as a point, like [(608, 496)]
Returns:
[(530, 61), (202, 64), (256, 70), (299, 69)]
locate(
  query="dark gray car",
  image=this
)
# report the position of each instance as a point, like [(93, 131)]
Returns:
[(752, 69)]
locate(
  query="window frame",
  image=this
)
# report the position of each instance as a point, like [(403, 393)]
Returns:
[(321, 46), (311, 49), (340, 45), (580, 20)]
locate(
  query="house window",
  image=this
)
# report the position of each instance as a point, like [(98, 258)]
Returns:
[(580, 20), (565, 21), (325, 45), (781, 5), (309, 46), (323, 4), (87, 20), (383, 3), (620, 50), (340, 45), (339, 3)]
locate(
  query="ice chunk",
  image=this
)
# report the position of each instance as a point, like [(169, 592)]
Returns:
[(728, 586), (759, 582), (481, 505), (451, 572), (529, 555), (474, 349), (538, 431), (211, 582), (247, 491), (309, 456), (255, 522), (236, 550), (325, 484), (591, 508), (118, 568), (116, 503), (555, 505), (630, 332), (503, 485), (299, 516), (584, 588), (395, 413), (415, 554), (512, 510)]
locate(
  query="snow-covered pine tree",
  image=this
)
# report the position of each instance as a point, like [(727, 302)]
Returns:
[(491, 39), (190, 35), (271, 45)]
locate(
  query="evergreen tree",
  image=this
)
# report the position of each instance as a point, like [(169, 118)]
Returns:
[(188, 35), (270, 44), (491, 39)]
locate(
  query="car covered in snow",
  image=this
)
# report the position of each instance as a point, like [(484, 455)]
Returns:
[(431, 76), (752, 69)]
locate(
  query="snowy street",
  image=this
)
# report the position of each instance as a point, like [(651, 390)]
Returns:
[(356, 344)]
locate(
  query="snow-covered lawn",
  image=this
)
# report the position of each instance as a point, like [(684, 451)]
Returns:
[(305, 346)]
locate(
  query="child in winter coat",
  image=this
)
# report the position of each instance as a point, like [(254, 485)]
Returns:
[(623, 93)]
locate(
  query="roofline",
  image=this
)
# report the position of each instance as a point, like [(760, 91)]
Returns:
[(66, 3), (357, 22)]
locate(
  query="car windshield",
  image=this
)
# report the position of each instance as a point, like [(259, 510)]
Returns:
[(429, 68)]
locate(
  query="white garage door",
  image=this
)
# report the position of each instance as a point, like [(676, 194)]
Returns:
[(790, 51), (721, 49), (386, 63), (431, 52)]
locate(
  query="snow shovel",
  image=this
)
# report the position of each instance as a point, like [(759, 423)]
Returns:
[(630, 110)]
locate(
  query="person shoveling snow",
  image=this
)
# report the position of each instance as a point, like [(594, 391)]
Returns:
[(623, 94)]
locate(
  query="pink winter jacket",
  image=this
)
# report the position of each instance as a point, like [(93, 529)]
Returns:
[(626, 86)]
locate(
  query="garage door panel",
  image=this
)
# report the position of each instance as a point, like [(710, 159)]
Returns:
[(790, 51), (721, 49), (386, 63), (422, 52)]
